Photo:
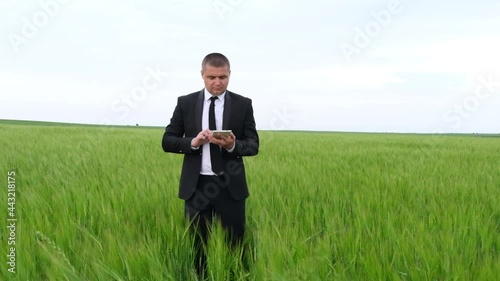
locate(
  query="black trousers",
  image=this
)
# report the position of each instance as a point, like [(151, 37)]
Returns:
[(212, 199)]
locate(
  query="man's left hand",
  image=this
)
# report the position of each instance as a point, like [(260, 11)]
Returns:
[(223, 141)]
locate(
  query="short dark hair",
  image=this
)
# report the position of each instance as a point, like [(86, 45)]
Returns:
[(215, 60)]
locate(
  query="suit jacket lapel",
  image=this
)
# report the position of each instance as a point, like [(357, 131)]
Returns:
[(227, 111), (199, 110)]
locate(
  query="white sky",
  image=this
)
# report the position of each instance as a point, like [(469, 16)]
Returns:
[(365, 65)]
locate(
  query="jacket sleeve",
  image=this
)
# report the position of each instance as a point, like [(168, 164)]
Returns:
[(248, 143), (173, 139)]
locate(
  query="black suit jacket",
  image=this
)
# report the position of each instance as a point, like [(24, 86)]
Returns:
[(185, 125)]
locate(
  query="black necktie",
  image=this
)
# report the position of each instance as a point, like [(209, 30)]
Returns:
[(215, 155)]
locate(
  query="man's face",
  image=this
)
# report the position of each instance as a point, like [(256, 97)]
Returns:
[(216, 79)]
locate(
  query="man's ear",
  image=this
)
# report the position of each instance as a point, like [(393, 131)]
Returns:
[(201, 71)]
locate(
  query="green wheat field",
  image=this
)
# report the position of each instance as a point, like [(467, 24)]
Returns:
[(100, 203)]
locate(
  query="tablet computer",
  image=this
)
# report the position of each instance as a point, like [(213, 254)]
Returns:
[(219, 133)]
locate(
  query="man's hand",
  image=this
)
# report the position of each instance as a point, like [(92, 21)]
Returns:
[(201, 139), (224, 142)]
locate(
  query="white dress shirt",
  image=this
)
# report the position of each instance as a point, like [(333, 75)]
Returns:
[(206, 164)]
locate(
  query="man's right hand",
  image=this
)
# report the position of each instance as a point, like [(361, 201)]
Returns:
[(201, 138)]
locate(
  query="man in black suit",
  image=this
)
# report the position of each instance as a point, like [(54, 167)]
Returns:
[(213, 181)]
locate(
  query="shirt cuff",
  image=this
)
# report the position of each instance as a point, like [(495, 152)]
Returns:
[(232, 148), (195, 148)]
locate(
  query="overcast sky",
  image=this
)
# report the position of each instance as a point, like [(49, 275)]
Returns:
[(359, 65)]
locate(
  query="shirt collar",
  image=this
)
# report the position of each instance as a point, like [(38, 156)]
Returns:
[(208, 95)]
